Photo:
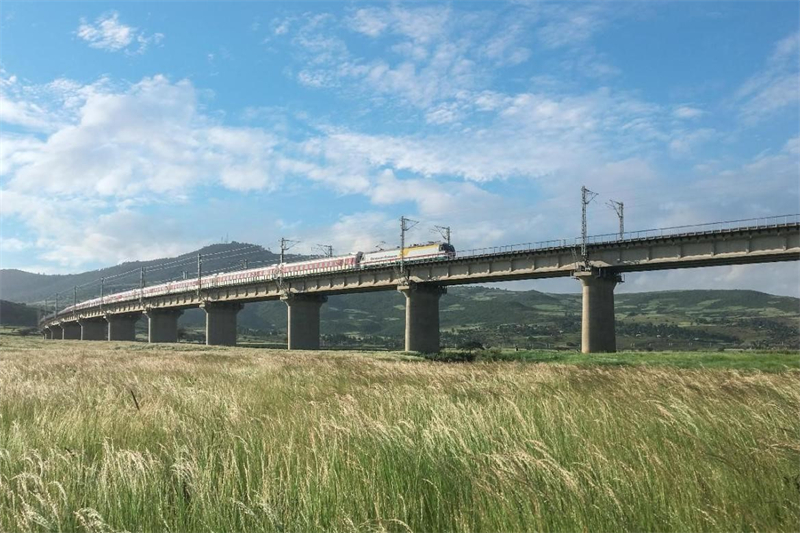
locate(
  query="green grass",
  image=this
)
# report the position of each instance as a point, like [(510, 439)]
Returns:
[(118, 436), (763, 360)]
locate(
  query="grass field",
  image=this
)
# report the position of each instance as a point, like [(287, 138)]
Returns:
[(136, 437), (765, 360)]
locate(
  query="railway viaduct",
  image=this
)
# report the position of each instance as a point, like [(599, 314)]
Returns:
[(608, 258)]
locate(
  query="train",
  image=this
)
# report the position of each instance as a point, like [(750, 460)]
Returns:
[(431, 251)]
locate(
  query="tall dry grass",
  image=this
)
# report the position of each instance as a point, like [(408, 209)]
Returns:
[(131, 437)]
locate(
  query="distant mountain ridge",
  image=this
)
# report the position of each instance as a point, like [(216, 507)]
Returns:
[(14, 314), (20, 286)]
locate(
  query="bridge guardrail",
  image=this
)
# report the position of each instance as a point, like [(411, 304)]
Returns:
[(728, 225)]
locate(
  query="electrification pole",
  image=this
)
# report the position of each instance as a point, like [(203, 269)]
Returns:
[(74, 299), (141, 286), (444, 231), (55, 309), (619, 208), (405, 225), (286, 244), (326, 249), (199, 274), (586, 197), (102, 290)]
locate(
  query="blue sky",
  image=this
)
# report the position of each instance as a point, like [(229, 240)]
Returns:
[(141, 130)]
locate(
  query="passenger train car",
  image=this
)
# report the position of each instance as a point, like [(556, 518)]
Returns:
[(359, 260)]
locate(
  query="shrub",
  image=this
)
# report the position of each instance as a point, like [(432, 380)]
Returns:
[(471, 344), (452, 357)]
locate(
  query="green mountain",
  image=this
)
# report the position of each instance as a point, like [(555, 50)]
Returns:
[(532, 319), (20, 286), (14, 314)]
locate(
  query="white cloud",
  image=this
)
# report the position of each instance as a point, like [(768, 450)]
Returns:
[(119, 236), (25, 114), (776, 87), (441, 54), (362, 232), (369, 21), (282, 28), (30, 107), (433, 61), (148, 137), (503, 49), (584, 61), (146, 41), (684, 143), (422, 24), (435, 200), (528, 135), (443, 114), (108, 33), (686, 112), (73, 231), (446, 74), (449, 203), (12, 244), (570, 25)]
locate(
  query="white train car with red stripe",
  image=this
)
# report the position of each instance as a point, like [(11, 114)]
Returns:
[(418, 252)]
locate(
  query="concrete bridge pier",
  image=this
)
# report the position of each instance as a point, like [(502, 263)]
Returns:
[(71, 330), (422, 316), (162, 324), (47, 333), (92, 329), (56, 332), (303, 320), (122, 327), (598, 332), (221, 322)]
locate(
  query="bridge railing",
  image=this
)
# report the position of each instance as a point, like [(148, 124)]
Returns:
[(521, 247), (728, 225)]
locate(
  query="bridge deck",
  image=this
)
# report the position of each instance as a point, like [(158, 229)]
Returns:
[(641, 252)]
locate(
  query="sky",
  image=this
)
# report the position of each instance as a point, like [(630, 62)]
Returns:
[(133, 131)]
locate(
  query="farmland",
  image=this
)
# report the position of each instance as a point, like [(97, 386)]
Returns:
[(137, 437)]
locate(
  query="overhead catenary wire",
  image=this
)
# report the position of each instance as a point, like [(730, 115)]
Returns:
[(250, 249), (114, 288), (172, 263), (635, 203), (249, 246)]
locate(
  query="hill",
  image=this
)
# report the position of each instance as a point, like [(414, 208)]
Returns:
[(682, 320), (14, 314), (20, 286)]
